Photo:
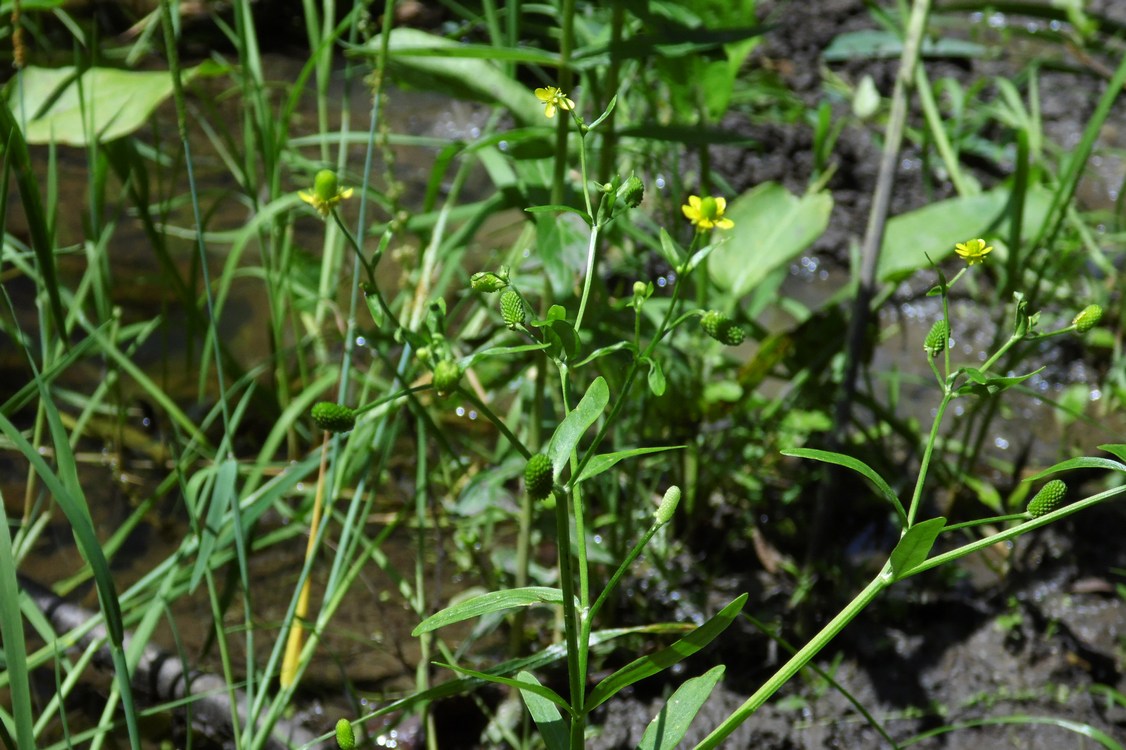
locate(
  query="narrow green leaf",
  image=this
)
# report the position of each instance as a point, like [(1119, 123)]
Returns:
[(670, 725), (1116, 449), (604, 461), (670, 251), (545, 713), (571, 429), (856, 465), (561, 209), (547, 695), (222, 495), (12, 642), (915, 545), (495, 601), (651, 664), (1083, 462)]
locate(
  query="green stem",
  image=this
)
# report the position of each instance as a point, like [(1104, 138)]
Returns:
[(916, 497), (798, 660)]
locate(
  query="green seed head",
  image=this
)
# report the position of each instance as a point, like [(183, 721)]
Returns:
[(332, 417), (632, 192), (1087, 318), (345, 737), (447, 375), (538, 477), (668, 505), (488, 282), (325, 185), (512, 309), (938, 338), (722, 328), (1047, 499)]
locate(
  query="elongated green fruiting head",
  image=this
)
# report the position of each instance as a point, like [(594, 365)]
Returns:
[(332, 417), (345, 737), (722, 328), (938, 338), (512, 309), (538, 477), (1087, 318), (1047, 499), (668, 505)]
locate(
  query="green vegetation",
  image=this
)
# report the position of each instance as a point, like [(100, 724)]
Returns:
[(566, 359)]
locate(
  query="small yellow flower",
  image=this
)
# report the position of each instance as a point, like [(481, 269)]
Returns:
[(554, 99), (973, 251), (326, 193), (706, 213)]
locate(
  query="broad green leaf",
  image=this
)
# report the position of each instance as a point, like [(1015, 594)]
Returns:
[(934, 229), (572, 429), (915, 545), (669, 726), (602, 462), (495, 601), (772, 226), (101, 104), (867, 44), (546, 715), (450, 73), (856, 465), (651, 664)]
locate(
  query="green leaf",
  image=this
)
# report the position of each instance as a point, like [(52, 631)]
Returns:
[(670, 725), (772, 226), (868, 44), (223, 493), (934, 229), (101, 104), (1117, 449), (545, 713), (656, 377), (14, 649), (572, 429), (670, 250), (914, 547), (449, 73), (1083, 462), (651, 664), (984, 385), (495, 601), (547, 695), (602, 462), (856, 465), (554, 209)]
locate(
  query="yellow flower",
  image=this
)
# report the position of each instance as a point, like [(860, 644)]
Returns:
[(554, 99), (706, 213), (326, 193), (972, 251)]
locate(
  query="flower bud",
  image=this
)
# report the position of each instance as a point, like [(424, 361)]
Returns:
[(1047, 499), (1087, 318), (447, 375), (668, 505), (332, 417), (538, 477), (488, 282), (938, 338), (345, 737), (722, 328)]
